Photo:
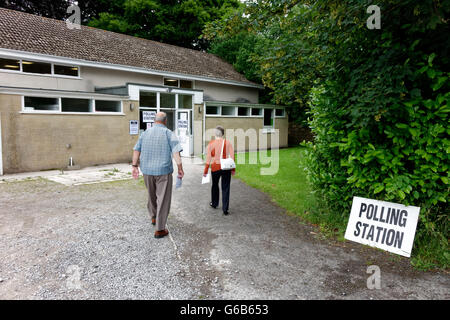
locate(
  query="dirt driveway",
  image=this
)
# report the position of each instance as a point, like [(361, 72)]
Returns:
[(95, 241)]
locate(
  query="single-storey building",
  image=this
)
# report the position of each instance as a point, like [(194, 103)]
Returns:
[(86, 94)]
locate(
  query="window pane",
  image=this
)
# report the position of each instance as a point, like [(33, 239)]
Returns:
[(36, 67), (256, 111), (66, 71), (268, 121), (228, 111), (279, 112), (10, 64), (186, 84), (147, 99), (46, 104), (212, 110), (76, 105), (171, 82), (170, 119), (184, 101), (167, 100), (107, 106), (243, 111)]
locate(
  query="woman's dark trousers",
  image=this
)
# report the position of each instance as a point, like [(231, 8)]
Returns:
[(226, 180)]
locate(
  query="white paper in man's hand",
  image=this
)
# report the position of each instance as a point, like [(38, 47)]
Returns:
[(206, 179)]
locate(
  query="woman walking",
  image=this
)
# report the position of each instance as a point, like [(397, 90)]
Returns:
[(217, 148)]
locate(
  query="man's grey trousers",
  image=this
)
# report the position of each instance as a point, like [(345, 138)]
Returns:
[(159, 198)]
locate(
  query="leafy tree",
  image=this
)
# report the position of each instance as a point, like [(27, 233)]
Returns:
[(172, 21), (377, 100)]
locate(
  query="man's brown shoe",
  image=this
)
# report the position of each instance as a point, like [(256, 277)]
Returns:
[(161, 234), (153, 221)]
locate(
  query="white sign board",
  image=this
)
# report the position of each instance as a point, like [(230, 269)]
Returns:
[(384, 225), (134, 127), (148, 116)]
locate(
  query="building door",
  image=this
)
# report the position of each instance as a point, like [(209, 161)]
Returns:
[(184, 131)]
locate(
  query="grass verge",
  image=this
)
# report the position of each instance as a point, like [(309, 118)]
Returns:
[(290, 190)]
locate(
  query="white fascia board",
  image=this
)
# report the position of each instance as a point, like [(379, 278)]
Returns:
[(61, 93), (17, 54), (133, 91)]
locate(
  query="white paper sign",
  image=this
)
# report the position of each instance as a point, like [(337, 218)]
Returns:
[(148, 116), (385, 225), (134, 127), (206, 179)]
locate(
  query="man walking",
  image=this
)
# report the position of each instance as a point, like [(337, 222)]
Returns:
[(153, 154)]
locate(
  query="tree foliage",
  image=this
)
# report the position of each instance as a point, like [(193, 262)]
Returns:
[(171, 21), (377, 100)]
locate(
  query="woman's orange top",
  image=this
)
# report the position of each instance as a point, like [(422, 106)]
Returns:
[(213, 154)]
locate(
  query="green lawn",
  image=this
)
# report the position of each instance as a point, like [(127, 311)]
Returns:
[(288, 187)]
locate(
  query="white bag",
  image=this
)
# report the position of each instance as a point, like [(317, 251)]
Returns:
[(228, 163)]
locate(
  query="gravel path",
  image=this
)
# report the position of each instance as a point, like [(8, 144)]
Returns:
[(96, 242)]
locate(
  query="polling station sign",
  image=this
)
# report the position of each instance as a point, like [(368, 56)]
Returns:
[(385, 225)]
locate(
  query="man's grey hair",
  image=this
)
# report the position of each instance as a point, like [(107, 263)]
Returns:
[(219, 131), (161, 117)]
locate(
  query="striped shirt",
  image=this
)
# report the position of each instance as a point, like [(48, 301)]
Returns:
[(156, 145)]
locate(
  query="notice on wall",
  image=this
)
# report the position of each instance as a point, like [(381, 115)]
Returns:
[(134, 127), (148, 116), (384, 225), (182, 124), (149, 125)]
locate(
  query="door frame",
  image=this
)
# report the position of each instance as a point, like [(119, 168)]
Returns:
[(190, 129)]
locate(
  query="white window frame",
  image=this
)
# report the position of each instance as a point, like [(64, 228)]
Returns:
[(249, 112), (218, 114), (52, 66), (260, 115), (272, 116), (59, 111), (234, 115), (284, 113), (178, 83)]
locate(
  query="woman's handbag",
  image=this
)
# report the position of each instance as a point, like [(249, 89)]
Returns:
[(228, 163)]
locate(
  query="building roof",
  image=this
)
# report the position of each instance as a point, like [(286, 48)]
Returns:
[(32, 33)]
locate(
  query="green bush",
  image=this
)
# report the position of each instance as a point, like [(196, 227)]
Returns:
[(381, 125)]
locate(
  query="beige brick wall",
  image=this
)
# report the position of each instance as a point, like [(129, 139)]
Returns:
[(34, 142)]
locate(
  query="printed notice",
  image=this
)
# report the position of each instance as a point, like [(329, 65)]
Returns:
[(385, 225)]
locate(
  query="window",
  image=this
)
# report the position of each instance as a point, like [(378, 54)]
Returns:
[(36, 67), (107, 106), (167, 100), (268, 117), (228, 111), (184, 101), (186, 84), (171, 82), (279, 113), (243, 112), (256, 112), (147, 99), (66, 70), (212, 110), (76, 105), (41, 104), (10, 64)]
